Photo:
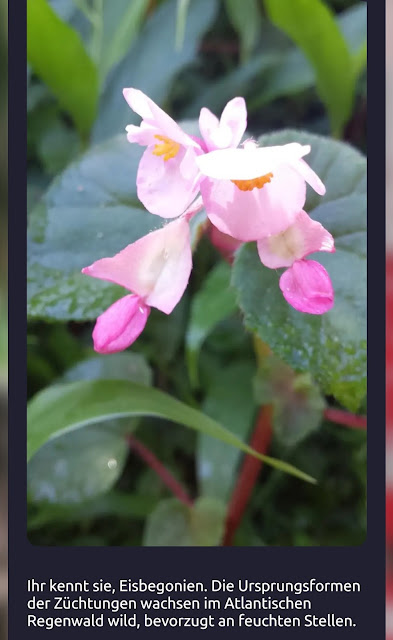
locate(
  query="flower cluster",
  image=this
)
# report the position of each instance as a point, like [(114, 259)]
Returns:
[(249, 193)]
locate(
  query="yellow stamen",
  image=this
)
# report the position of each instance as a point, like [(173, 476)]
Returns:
[(168, 148), (256, 183)]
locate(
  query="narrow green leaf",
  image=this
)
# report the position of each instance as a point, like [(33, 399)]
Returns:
[(63, 408), (82, 463), (173, 524), (245, 17), (181, 19), (293, 73), (122, 21), (151, 63), (56, 54), (311, 25), (212, 304)]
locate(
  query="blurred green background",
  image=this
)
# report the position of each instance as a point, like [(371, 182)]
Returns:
[(305, 72)]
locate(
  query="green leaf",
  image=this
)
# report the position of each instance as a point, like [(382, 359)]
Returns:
[(230, 401), (332, 347), (297, 403), (173, 524), (241, 81), (114, 504), (82, 463), (57, 55), (65, 408), (149, 68), (289, 72), (311, 25), (212, 304), (245, 17), (121, 21), (181, 21), (114, 366), (89, 212), (353, 24)]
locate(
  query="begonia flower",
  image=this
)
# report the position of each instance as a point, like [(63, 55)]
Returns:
[(156, 270), (228, 130), (168, 176), (253, 192), (305, 285)]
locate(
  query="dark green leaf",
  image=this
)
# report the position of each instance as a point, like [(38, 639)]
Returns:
[(332, 347), (173, 524), (80, 464), (230, 401), (241, 81), (89, 212), (245, 17), (152, 63), (214, 302), (115, 366), (57, 55), (85, 462)]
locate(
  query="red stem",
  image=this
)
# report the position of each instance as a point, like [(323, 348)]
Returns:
[(346, 419), (248, 474), (166, 476)]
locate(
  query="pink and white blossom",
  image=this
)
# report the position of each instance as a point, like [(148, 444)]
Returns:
[(253, 192), (306, 285), (168, 176), (156, 270)]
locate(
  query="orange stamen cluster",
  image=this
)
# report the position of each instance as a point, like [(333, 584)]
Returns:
[(256, 183), (168, 148)]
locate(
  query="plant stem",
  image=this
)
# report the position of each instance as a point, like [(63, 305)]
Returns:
[(346, 419), (163, 473), (248, 474)]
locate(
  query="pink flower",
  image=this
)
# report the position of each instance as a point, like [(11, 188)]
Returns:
[(305, 284), (156, 269), (229, 130), (168, 176), (254, 192)]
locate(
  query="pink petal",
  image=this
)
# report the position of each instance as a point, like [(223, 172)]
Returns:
[(149, 111), (143, 135), (120, 325), (229, 130), (156, 267), (251, 215), (167, 188), (250, 162), (208, 123), (234, 117), (307, 287), (303, 237), (309, 175)]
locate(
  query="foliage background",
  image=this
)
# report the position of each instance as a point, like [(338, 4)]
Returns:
[(89, 487)]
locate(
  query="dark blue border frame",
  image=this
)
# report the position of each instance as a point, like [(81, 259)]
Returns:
[(365, 563)]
